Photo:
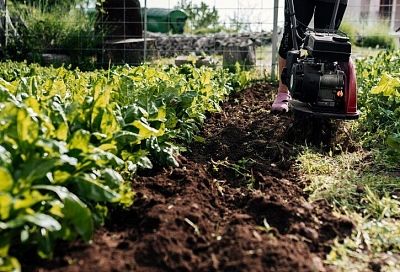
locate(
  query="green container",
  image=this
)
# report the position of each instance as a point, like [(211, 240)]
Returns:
[(165, 20)]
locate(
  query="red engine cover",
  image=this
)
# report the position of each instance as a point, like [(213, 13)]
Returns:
[(351, 89)]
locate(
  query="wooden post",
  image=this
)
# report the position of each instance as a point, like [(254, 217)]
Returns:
[(275, 42), (244, 55)]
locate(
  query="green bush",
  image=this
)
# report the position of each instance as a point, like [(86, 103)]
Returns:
[(52, 31), (377, 40), (376, 36), (379, 99)]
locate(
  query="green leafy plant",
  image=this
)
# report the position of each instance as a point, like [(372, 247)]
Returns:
[(68, 139), (379, 98)]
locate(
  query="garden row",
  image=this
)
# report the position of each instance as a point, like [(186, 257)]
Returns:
[(68, 141)]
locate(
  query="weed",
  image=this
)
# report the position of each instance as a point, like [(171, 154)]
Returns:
[(241, 169)]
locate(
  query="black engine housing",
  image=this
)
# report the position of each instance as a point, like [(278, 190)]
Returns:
[(320, 84), (317, 78)]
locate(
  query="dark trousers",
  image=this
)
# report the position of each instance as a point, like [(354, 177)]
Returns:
[(305, 9)]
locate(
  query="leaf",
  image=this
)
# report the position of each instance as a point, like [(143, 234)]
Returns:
[(6, 180), (6, 203), (5, 245), (109, 123), (45, 244), (40, 219), (9, 264), (60, 176), (94, 190), (5, 157), (80, 216), (161, 115), (74, 210), (112, 178), (98, 109), (109, 147), (35, 170), (27, 126), (134, 112), (145, 131), (126, 138), (65, 159), (199, 139), (387, 86), (103, 158), (58, 88), (57, 208), (80, 140), (28, 199), (52, 147), (32, 103), (7, 86), (144, 162), (62, 132), (44, 221)]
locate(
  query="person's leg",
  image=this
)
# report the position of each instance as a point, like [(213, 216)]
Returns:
[(323, 15), (281, 102), (304, 11)]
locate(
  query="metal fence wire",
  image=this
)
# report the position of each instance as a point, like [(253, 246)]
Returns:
[(168, 31)]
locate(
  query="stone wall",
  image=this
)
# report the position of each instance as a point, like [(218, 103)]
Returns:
[(173, 45)]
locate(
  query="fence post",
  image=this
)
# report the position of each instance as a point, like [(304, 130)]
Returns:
[(275, 41), (3, 23), (145, 32)]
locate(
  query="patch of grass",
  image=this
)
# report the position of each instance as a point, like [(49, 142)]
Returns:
[(374, 246), (366, 190)]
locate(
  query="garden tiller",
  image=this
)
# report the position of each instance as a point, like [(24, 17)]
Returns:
[(322, 77)]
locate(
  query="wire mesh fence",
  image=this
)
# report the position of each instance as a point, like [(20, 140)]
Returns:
[(135, 31)]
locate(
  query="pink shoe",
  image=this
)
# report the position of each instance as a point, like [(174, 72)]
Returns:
[(281, 102)]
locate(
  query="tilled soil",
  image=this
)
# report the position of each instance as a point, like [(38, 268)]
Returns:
[(236, 203)]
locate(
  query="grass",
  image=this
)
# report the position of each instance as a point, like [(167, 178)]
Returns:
[(360, 186)]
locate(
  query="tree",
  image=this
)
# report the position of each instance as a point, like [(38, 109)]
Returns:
[(200, 16)]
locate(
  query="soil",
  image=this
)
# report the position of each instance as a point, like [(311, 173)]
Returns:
[(236, 203)]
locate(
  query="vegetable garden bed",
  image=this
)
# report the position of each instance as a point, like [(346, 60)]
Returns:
[(235, 203), (91, 177)]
